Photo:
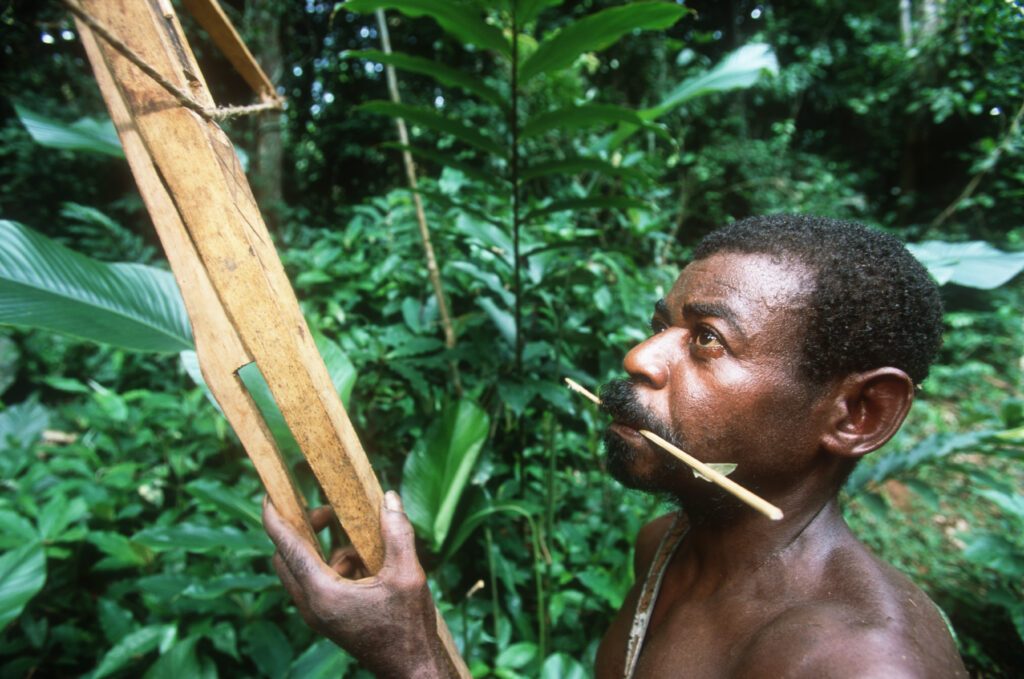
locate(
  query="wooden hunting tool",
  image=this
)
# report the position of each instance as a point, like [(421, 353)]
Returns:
[(241, 305)]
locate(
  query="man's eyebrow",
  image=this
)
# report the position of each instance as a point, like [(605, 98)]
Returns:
[(712, 310), (661, 307)]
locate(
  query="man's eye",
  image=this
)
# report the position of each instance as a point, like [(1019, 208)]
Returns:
[(706, 339), (658, 326)]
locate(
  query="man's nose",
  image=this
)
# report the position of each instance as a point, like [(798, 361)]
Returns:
[(648, 362)]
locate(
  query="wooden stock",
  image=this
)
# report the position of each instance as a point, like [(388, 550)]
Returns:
[(239, 300)]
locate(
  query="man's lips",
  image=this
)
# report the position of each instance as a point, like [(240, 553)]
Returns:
[(626, 431)]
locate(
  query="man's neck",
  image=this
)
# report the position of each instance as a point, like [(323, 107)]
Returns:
[(744, 543)]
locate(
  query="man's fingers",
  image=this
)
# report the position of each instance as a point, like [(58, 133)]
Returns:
[(321, 517), (301, 558)]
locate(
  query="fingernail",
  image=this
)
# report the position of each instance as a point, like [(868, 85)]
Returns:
[(392, 502)]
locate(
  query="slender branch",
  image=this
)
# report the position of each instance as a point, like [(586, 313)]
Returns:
[(514, 128), (990, 162), (421, 219)]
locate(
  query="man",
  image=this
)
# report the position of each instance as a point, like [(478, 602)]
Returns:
[(789, 346)]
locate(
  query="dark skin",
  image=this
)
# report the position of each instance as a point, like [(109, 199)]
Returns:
[(743, 596)]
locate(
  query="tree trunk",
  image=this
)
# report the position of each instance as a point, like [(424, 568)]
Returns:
[(263, 23)]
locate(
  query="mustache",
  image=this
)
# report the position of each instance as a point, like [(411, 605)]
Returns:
[(618, 399)]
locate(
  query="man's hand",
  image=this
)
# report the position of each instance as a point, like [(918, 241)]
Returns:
[(387, 621)]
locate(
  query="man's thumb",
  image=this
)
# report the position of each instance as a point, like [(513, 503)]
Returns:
[(397, 534)]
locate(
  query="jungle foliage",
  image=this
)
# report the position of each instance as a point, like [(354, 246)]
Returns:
[(570, 155)]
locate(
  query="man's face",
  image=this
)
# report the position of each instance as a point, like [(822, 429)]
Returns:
[(719, 378)]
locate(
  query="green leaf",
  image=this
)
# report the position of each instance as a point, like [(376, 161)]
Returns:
[(527, 10), (133, 646), (268, 648), (595, 33), (343, 377), (439, 123), (741, 68), (995, 552), (196, 538), (573, 204), (45, 285), (440, 72), (437, 470), (87, 134), (581, 116), (496, 182), (227, 499), (178, 662), (322, 660), (562, 666), (576, 165), (517, 656), (22, 575), (503, 320), (121, 552), (224, 584), (461, 20), (23, 423), (975, 264)]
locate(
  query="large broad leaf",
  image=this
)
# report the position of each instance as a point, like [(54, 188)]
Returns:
[(739, 69), (87, 134), (22, 575), (975, 264), (462, 20), (596, 32), (445, 75), (45, 285), (438, 468), (437, 122)]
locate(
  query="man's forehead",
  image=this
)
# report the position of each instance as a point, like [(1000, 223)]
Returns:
[(746, 285)]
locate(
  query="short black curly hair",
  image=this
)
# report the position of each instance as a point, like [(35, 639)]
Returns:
[(873, 305)]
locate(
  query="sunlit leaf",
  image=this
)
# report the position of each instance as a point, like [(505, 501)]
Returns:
[(134, 646), (974, 264), (741, 68), (463, 21), (22, 575), (596, 32)]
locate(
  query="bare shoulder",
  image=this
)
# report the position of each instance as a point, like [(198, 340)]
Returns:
[(869, 620)]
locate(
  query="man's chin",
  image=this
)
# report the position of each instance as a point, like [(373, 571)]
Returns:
[(622, 461)]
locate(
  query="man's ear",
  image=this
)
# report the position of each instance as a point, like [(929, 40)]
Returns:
[(867, 409)]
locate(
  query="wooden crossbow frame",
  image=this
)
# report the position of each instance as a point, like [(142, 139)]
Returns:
[(241, 305)]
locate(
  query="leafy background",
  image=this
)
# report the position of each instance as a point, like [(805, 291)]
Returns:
[(568, 157)]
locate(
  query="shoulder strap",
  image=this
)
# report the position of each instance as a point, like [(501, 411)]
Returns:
[(649, 594)]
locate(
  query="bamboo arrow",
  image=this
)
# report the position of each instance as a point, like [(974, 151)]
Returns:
[(237, 295)]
